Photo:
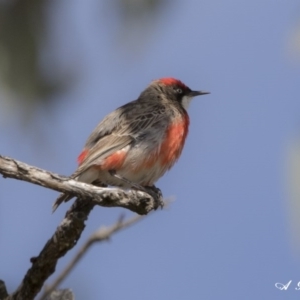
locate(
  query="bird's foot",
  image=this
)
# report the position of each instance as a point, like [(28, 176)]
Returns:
[(151, 190), (157, 196)]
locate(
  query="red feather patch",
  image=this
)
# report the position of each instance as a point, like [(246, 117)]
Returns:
[(114, 161), (174, 141), (82, 156), (172, 81)]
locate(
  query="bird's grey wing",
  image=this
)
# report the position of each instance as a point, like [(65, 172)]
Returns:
[(143, 117), (101, 143), (122, 127), (102, 149)]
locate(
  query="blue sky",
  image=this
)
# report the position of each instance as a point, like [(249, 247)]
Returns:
[(227, 234)]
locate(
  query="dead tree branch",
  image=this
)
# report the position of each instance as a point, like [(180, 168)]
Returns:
[(69, 231)]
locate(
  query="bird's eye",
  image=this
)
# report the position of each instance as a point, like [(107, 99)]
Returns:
[(179, 91)]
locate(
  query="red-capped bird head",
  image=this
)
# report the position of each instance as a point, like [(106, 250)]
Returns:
[(172, 89)]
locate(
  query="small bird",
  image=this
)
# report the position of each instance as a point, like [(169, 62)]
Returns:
[(138, 142)]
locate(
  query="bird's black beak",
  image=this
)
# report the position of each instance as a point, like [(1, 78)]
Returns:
[(198, 93)]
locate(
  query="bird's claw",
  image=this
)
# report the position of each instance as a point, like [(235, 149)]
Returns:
[(157, 196), (151, 190)]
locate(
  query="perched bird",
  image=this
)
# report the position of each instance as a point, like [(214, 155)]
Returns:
[(138, 142)]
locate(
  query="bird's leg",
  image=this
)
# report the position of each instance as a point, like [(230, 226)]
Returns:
[(151, 190)]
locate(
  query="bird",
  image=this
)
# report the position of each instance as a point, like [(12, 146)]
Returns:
[(137, 143)]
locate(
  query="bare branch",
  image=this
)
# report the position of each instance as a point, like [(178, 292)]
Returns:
[(69, 231), (136, 201), (100, 235)]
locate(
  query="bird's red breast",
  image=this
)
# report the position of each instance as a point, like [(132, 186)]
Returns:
[(173, 143), (170, 148)]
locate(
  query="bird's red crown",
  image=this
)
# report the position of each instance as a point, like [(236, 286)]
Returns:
[(172, 81)]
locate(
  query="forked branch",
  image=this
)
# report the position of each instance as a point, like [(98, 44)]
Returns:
[(69, 231)]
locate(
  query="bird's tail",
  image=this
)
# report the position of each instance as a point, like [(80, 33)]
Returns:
[(87, 177), (62, 198)]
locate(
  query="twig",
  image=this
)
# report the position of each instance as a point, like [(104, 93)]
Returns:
[(100, 235)]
